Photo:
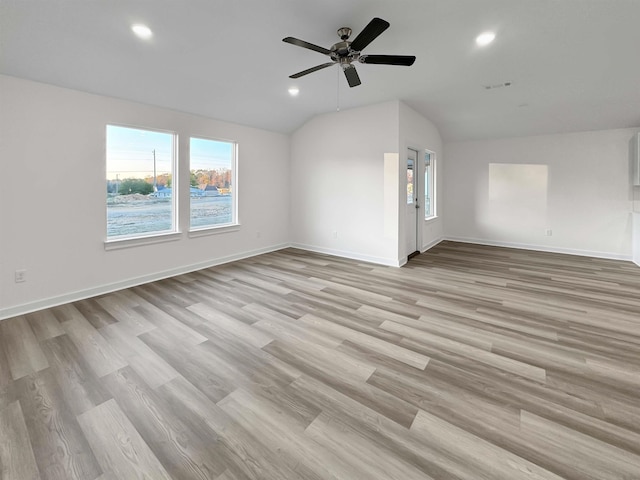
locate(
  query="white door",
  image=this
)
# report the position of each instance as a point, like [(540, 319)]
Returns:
[(412, 230)]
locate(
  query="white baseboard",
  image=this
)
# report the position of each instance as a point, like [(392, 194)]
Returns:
[(131, 282), (390, 262), (431, 244), (541, 248)]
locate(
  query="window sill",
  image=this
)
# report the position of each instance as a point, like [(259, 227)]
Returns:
[(431, 219), (117, 244), (213, 230)]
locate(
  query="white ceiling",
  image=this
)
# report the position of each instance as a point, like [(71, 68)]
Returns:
[(574, 64)]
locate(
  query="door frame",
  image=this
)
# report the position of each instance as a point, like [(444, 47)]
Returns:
[(418, 169)]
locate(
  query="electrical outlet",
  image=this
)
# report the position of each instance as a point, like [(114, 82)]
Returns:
[(21, 276), (548, 232)]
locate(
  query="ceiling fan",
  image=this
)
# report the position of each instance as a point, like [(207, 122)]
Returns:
[(346, 52)]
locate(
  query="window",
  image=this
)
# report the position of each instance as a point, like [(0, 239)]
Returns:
[(212, 164), (140, 170), (429, 185)]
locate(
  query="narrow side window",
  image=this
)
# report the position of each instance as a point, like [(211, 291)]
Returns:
[(429, 185), (213, 185)]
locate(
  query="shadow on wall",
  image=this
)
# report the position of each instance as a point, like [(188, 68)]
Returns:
[(516, 202)]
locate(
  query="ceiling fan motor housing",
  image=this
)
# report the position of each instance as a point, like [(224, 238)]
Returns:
[(341, 49)]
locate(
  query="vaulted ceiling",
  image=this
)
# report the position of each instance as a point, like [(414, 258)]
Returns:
[(572, 64)]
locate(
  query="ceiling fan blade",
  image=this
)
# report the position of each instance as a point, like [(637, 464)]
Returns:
[(369, 34), (352, 76), (303, 44), (405, 60), (311, 70)]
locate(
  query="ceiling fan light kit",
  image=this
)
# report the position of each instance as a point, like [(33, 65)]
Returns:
[(345, 52)]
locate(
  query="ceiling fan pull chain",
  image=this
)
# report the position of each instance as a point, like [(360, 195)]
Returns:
[(338, 89)]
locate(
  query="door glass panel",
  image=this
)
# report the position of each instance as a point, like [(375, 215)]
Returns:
[(410, 181)]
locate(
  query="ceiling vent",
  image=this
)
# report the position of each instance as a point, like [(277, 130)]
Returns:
[(498, 85)]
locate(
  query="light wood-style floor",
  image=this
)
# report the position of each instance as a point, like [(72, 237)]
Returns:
[(471, 362)]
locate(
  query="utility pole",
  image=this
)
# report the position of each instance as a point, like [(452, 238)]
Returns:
[(117, 184), (155, 178)]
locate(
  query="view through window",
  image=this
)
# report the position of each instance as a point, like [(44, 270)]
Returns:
[(429, 170), (212, 196), (140, 170)]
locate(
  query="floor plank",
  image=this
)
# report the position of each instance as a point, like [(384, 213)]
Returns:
[(80, 387), (17, 461), (121, 451), (591, 458), (60, 448), (185, 452), (365, 456), (148, 364), (44, 324), (488, 461), (101, 357), (23, 353)]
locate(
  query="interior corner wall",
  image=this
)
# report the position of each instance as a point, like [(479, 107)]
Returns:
[(635, 237), (421, 134), (338, 184), (568, 193), (52, 197)]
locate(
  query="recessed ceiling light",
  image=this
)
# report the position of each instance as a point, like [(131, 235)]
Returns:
[(485, 38), (294, 91), (142, 31)]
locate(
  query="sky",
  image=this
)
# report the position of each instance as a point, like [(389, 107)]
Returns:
[(208, 154), (130, 152)]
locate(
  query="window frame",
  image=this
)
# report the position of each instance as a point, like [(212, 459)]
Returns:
[(234, 224), (157, 236)]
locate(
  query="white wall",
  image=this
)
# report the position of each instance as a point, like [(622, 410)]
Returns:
[(421, 134), (52, 201), (497, 192), (338, 183)]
